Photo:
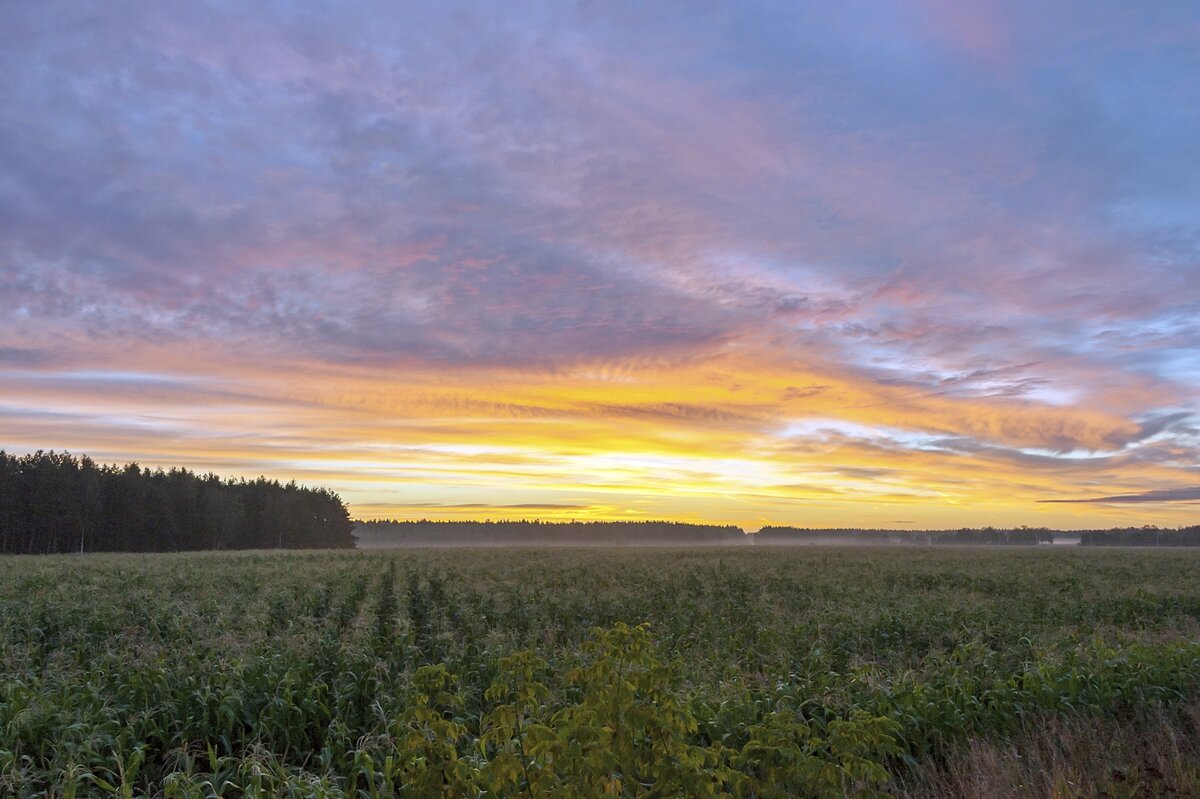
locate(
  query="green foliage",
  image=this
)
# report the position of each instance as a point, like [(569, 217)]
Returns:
[(808, 673), (789, 756), (514, 738), (53, 502), (428, 738), (625, 730), (628, 731)]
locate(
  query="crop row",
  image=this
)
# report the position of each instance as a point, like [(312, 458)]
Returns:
[(811, 673)]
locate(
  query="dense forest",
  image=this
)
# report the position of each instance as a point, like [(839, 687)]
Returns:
[(1142, 537), (537, 533), (984, 535), (56, 502), (424, 533)]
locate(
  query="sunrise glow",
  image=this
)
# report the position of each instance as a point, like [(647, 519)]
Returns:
[(889, 264)]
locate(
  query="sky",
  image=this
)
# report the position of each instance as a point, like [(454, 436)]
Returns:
[(921, 264)]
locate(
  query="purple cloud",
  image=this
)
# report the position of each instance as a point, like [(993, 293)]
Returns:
[(993, 204), (1165, 495)]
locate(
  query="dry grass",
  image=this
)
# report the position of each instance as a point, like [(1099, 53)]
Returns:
[(1154, 756)]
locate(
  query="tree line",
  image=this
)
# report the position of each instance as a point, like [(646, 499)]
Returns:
[(541, 533), (1019, 536), (1148, 536), (1142, 537), (425, 532), (53, 502)]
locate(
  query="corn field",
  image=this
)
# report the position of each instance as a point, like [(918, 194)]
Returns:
[(822, 672)]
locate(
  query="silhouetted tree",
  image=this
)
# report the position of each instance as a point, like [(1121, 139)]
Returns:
[(537, 533), (55, 502)]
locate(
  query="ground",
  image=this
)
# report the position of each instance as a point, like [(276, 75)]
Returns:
[(803, 671)]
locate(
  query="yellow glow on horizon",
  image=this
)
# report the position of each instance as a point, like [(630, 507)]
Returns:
[(742, 436)]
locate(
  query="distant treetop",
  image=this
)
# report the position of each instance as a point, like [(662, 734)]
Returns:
[(56, 502)]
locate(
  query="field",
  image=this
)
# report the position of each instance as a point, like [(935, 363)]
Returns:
[(755, 672)]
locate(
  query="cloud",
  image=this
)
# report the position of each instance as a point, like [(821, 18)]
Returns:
[(1164, 495), (605, 233), (24, 356)]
